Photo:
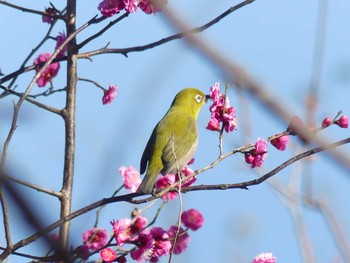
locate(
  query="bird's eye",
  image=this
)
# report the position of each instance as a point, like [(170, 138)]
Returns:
[(198, 98)]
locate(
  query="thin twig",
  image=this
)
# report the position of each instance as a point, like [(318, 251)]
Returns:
[(5, 218), (46, 93), (36, 103), (99, 33), (33, 186), (101, 207), (93, 82), (23, 9), (177, 232)]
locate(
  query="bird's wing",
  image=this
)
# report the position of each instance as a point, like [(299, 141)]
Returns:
[(147, 153), (182, 141)]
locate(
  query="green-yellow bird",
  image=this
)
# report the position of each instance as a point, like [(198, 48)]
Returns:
[(174, 139)]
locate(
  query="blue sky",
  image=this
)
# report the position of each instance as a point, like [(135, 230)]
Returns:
[(274, 41)]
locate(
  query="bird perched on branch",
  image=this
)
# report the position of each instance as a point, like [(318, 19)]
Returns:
[(174, 140)]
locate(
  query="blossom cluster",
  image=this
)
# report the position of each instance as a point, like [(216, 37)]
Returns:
[(342, 122), (149, 244), (264, 258), (221, 111), (109, 8), (52, 70), (132, 180)]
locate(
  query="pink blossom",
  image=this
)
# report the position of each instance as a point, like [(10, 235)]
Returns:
[(186, 171), (343, 121), (249, 158), (182, 240), (214, 92), (95, 238), (264, 258), (281, 142), (59, 41), (192, 219), (169, 179), (82, 252), (162, 245), (131, 178), (145, 244), (191, 161), (221, 111), (229, 119), (125, 229), (108, 254), (152, 6), (49, 73), (214, 123), (326, 122), (48, 19), (111, 7), (109, 94), (131, 5), (256, 156), (164, 182)]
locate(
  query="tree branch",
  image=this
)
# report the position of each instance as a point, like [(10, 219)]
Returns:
[(33, 186), (36, 103)]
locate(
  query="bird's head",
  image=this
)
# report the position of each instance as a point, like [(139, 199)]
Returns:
[(190, 99)]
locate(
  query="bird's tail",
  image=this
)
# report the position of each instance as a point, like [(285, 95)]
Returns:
[(147, 184)]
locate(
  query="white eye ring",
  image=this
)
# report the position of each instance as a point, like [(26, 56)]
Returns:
[(198, 98)]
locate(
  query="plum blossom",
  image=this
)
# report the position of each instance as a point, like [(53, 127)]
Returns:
[(131, 178), (125, 229), (152, 6), (256, 156), (59, 41), (221, 111), (145, 244), (111, 7), (326, 122), (192, 219), (186, 171), (162, 245), (164, 182), (131, 5), (109, 94), (108, 254), (95, 238), (281, 142), (49, 19), (169, 179), (264, 258), (182, 240), (49, 73), (343, 122)]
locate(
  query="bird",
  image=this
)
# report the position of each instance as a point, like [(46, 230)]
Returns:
[(174, 139)]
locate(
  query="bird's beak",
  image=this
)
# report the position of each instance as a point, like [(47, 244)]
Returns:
[(207, 97)]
